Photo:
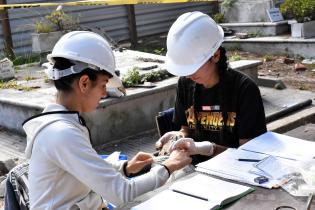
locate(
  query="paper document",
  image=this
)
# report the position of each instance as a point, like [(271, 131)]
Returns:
[(228, 166), (281, 146), (275, 168), (199, 192), (251, 164)]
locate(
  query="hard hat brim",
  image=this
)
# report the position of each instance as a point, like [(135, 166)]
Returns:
[(182, 70)]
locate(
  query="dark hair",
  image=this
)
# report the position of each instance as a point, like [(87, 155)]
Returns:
[(65, 83), (222, 68)]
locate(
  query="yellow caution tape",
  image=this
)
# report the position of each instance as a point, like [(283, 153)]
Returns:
[(97, 2)]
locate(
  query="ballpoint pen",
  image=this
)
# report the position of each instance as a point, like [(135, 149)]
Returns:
[(309, 202), (248, 160)]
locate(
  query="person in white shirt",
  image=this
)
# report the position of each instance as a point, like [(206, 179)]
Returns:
[(65, 171)]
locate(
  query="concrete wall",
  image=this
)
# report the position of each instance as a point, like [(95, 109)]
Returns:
[(243, 11), (129, 115), (12, 115)]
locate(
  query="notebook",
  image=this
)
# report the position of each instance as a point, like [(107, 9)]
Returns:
[(200, 192)]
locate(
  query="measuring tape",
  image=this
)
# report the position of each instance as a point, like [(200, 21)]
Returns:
[(97, 2)]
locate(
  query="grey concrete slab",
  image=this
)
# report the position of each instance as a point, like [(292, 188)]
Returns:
[(274, 45), (278, 100), (260, 28)]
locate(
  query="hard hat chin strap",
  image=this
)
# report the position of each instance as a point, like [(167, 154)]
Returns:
[(56, 74)]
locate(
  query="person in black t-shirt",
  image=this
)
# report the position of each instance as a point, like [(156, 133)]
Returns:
[(216, 106)]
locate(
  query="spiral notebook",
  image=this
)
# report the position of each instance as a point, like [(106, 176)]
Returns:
[(200, 192)]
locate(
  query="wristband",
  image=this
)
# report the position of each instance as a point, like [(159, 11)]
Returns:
[(125, 168), (168, 170)]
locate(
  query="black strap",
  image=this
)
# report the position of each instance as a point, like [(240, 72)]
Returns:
[(48, 113)]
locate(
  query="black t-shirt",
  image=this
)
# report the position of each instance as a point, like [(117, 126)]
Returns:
[(242, 101)]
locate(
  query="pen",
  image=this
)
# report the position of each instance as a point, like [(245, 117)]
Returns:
[(194, 196), (248, 160), (309, 201)]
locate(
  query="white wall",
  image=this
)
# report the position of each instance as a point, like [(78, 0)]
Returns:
[(244, 11)]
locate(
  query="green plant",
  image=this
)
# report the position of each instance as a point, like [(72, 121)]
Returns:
[(28, 58), (268, 58), (254, 34), (219, 18), (41, 27), (160, 51), (300, 10), (57, 20), (12, 84), (132, 77), (235, 57), (155, 76), (46, 79), (28, 78), (227, 4)]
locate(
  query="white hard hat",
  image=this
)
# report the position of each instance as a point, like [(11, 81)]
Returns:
[(87, 50), (192, 39)]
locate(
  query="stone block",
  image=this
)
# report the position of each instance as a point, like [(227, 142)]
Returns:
[(6, 69)]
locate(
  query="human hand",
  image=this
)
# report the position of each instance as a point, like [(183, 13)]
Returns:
[(138, 162), (192, 147), (177, 160), (167, 136)]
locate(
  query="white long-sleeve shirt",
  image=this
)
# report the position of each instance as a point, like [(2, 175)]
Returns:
[(66, 172)]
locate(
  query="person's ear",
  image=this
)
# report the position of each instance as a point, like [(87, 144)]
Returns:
[(84, 83), (216, 56)]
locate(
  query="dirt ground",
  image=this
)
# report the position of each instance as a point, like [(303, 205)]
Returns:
[(274, 66)]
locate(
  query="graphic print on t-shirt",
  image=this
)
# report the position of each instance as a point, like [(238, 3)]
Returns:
[(210, 118)]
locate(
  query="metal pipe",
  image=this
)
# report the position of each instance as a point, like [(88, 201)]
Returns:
[(281, 113)]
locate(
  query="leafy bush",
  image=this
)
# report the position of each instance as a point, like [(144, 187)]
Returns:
[(300, 10), (155, 76), (133, 77), (228, 3), (219, 18), (57, 20), (235, 57)]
